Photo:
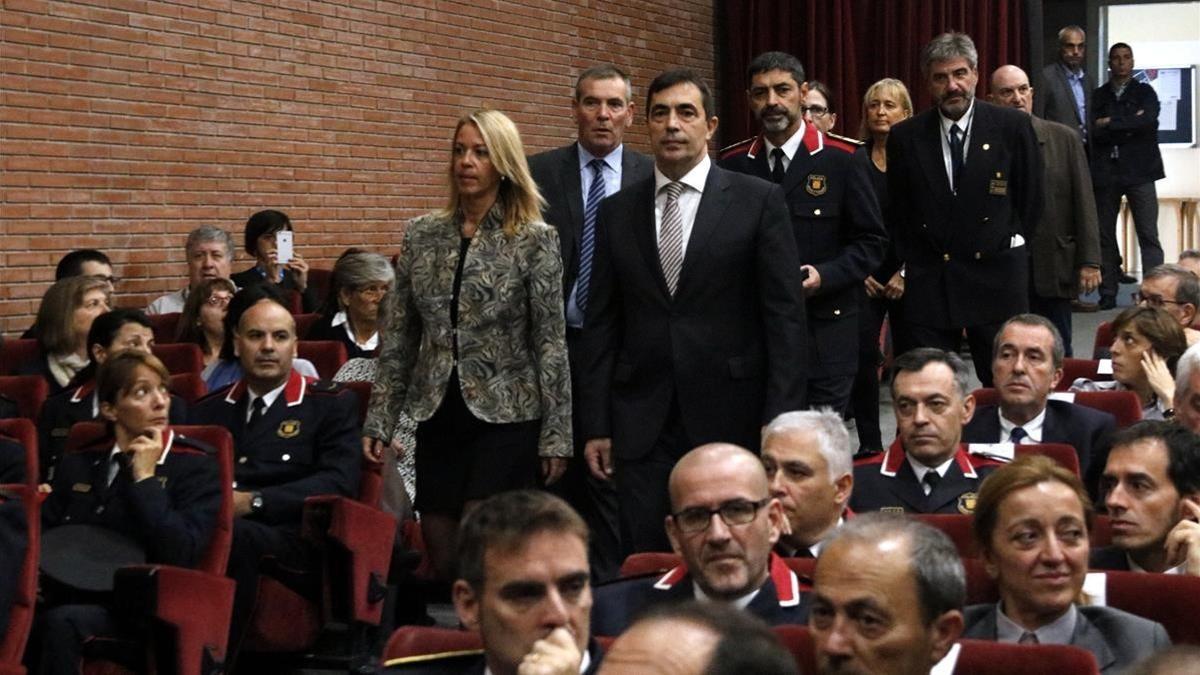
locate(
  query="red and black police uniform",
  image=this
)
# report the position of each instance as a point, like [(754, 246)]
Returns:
[(887, 482), (839, 231)]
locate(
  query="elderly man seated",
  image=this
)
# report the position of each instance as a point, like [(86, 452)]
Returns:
[(209, 251)]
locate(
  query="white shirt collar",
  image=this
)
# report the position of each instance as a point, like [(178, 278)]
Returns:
[(963, 122), (790, 146), (815, 549), (1033, 428), (741, 602), (920, 469), (268, 398), (1057, 632), (169, 441), (341, 319), (695, 179), (948, 662), (612, 160)]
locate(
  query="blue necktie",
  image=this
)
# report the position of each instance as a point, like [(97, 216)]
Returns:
[(587, 239), (956, 155), (1018, 434)]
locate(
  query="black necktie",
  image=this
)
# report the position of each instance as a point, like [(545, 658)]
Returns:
[(1018, 434), (931, 479), (956, 154), (1028, 638), (256, 412), (777, 170)]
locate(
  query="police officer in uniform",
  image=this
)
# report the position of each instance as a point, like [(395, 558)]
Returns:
[(294, 437), (835, 217)]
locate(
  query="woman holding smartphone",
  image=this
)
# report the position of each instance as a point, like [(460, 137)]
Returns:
[(262, 241)]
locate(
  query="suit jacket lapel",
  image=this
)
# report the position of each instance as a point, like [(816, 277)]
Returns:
[(952, 485), (1089, 637), (643, 231), (708, 215), (929, 154), (906, 488), (989, 424), (629, 169), (573, 189)]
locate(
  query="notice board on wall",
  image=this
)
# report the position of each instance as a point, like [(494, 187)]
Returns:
[(1175, 86)]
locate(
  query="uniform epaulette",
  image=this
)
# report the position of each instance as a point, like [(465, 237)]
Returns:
[(738, 148), (843, 142), (194, 444), (325, 386), (215, 393), (440, 656)]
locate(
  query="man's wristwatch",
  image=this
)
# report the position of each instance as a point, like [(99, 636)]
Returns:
[(256, 502)]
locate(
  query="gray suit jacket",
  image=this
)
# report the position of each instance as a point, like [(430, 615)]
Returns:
[(1053, 100), (1117, 639), (1068, 236)]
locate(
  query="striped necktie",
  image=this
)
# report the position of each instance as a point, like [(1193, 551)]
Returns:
[(670, 238), (587, 239)]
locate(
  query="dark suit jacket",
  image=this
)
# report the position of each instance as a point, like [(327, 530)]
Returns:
[(1054, 101), (619, 603), (886, 482), (556, 173), (961, 269), (1117, 639), (728, 346), (1087, 430), (1108, 558), (12, 461), (839, 231), (1068, 236), (1132, 134), (307, 443)]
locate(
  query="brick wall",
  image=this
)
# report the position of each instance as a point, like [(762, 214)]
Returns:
[(126, 123)]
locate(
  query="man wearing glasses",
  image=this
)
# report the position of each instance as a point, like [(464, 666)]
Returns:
[(1175, 289), (723, 525)]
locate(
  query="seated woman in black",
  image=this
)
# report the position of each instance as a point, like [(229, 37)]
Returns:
[(260, 243), (63, 320), (350, 315)]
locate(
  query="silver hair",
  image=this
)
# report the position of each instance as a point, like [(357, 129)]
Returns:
[(1062, 32), (207, 233), (832, 438), (1184, 369), (946, 47), (361, 268)]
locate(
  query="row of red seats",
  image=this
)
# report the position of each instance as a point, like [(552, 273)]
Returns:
[(166, 326)]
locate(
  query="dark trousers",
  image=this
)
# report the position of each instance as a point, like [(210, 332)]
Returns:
[(1143, 204), (61, 632), (1058, 311), (979, 339), (252, 542), (831, 392), (642, 488), (864, 398)]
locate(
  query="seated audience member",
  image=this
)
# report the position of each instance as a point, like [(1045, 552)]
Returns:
[(887, 598), (260, 243), (1189, 259), (1031, 522), (523, 585), (1147, 341), (1151, 488), (111, 333), (351, 313), (810, 467), (723, 524), (1027, 359), (156, 489), (927, 468), (209, 251), (228, 368), (1187, 389), (818, 108), (697, 638), (1177, 290), (294, 437), (202, 322), (63, 321), (86, 262)]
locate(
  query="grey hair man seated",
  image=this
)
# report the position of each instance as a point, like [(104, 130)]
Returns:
[(209, 252)]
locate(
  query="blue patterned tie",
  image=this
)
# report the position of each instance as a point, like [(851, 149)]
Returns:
[(587, 240), (1018, 434)]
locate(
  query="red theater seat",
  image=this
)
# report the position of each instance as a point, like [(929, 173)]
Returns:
[(327, 355), (181, 357), (188, 386), (981, 657), (1074, 369), (29, 392), (957, 526), (24, 432), (304, 323), (639, 564), (799, 643), (1122, 405), (20, 615), (320, 280), (1103, 342), (165, 327), (14, 353), (410, 641), (1169, 599)]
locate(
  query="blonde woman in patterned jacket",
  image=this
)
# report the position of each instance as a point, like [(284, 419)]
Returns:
[(474, 348)]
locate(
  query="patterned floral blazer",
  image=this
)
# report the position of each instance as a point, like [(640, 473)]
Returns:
[(512, 364)]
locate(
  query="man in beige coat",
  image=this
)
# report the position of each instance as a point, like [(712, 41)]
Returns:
[(1066, 245)]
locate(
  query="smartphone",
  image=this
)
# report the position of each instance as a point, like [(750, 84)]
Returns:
[(284, 247)]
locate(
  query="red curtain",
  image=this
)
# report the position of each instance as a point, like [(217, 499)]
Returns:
[(850, 44)]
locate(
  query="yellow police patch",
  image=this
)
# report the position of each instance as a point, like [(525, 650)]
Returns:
[(289, 429), (815, 185), (966, 502), (892, 509)]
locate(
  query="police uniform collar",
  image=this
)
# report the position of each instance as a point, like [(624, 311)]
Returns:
[(787, 584), (894, 457), (83, 391), (813, 139), (169, 440), (293, 391)]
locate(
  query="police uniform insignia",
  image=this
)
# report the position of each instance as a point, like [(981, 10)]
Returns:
[(815, 185), (162, 481), (966, 502), (892, 509), (289, 429), (81, 487)]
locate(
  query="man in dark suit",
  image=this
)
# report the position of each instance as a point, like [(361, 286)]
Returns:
[(1026, 365), (1125, 162), (835, 217), (724, 523), (1064, 89), (964, 180), (1066, 246), (927, 469), (523, 587), (695, 323), (293, 438), (574, 179), (1152, 494)]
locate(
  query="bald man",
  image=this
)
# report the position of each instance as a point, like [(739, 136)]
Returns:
[(723, 524), (1066, 242)]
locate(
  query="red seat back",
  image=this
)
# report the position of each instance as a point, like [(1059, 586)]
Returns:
[(20, 615), (799, 642), (24, 432), (1073, 369), (15, 353), (304, 323), (189, 386), (638, 564), (165, 327), (1123, 405), (29, 392), (180, 357), (982, 657), (327, 355), (957, 526), (1169, 599), (319, 280), (1103, 342), (410, 641), (363, 390)]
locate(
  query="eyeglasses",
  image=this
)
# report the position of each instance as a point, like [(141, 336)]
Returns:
[(814, 110), (112, 280), (732, 512), (218, 300), (1153, 300), (372, 291)]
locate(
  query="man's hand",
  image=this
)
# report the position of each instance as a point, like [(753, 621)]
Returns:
[(894, 289), (372, 449), (143, 452), (812, 283), (241, 503), (874, 288), (553, 469), (598, 453), (555, 654), (1089, 279), (1183, 541)]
